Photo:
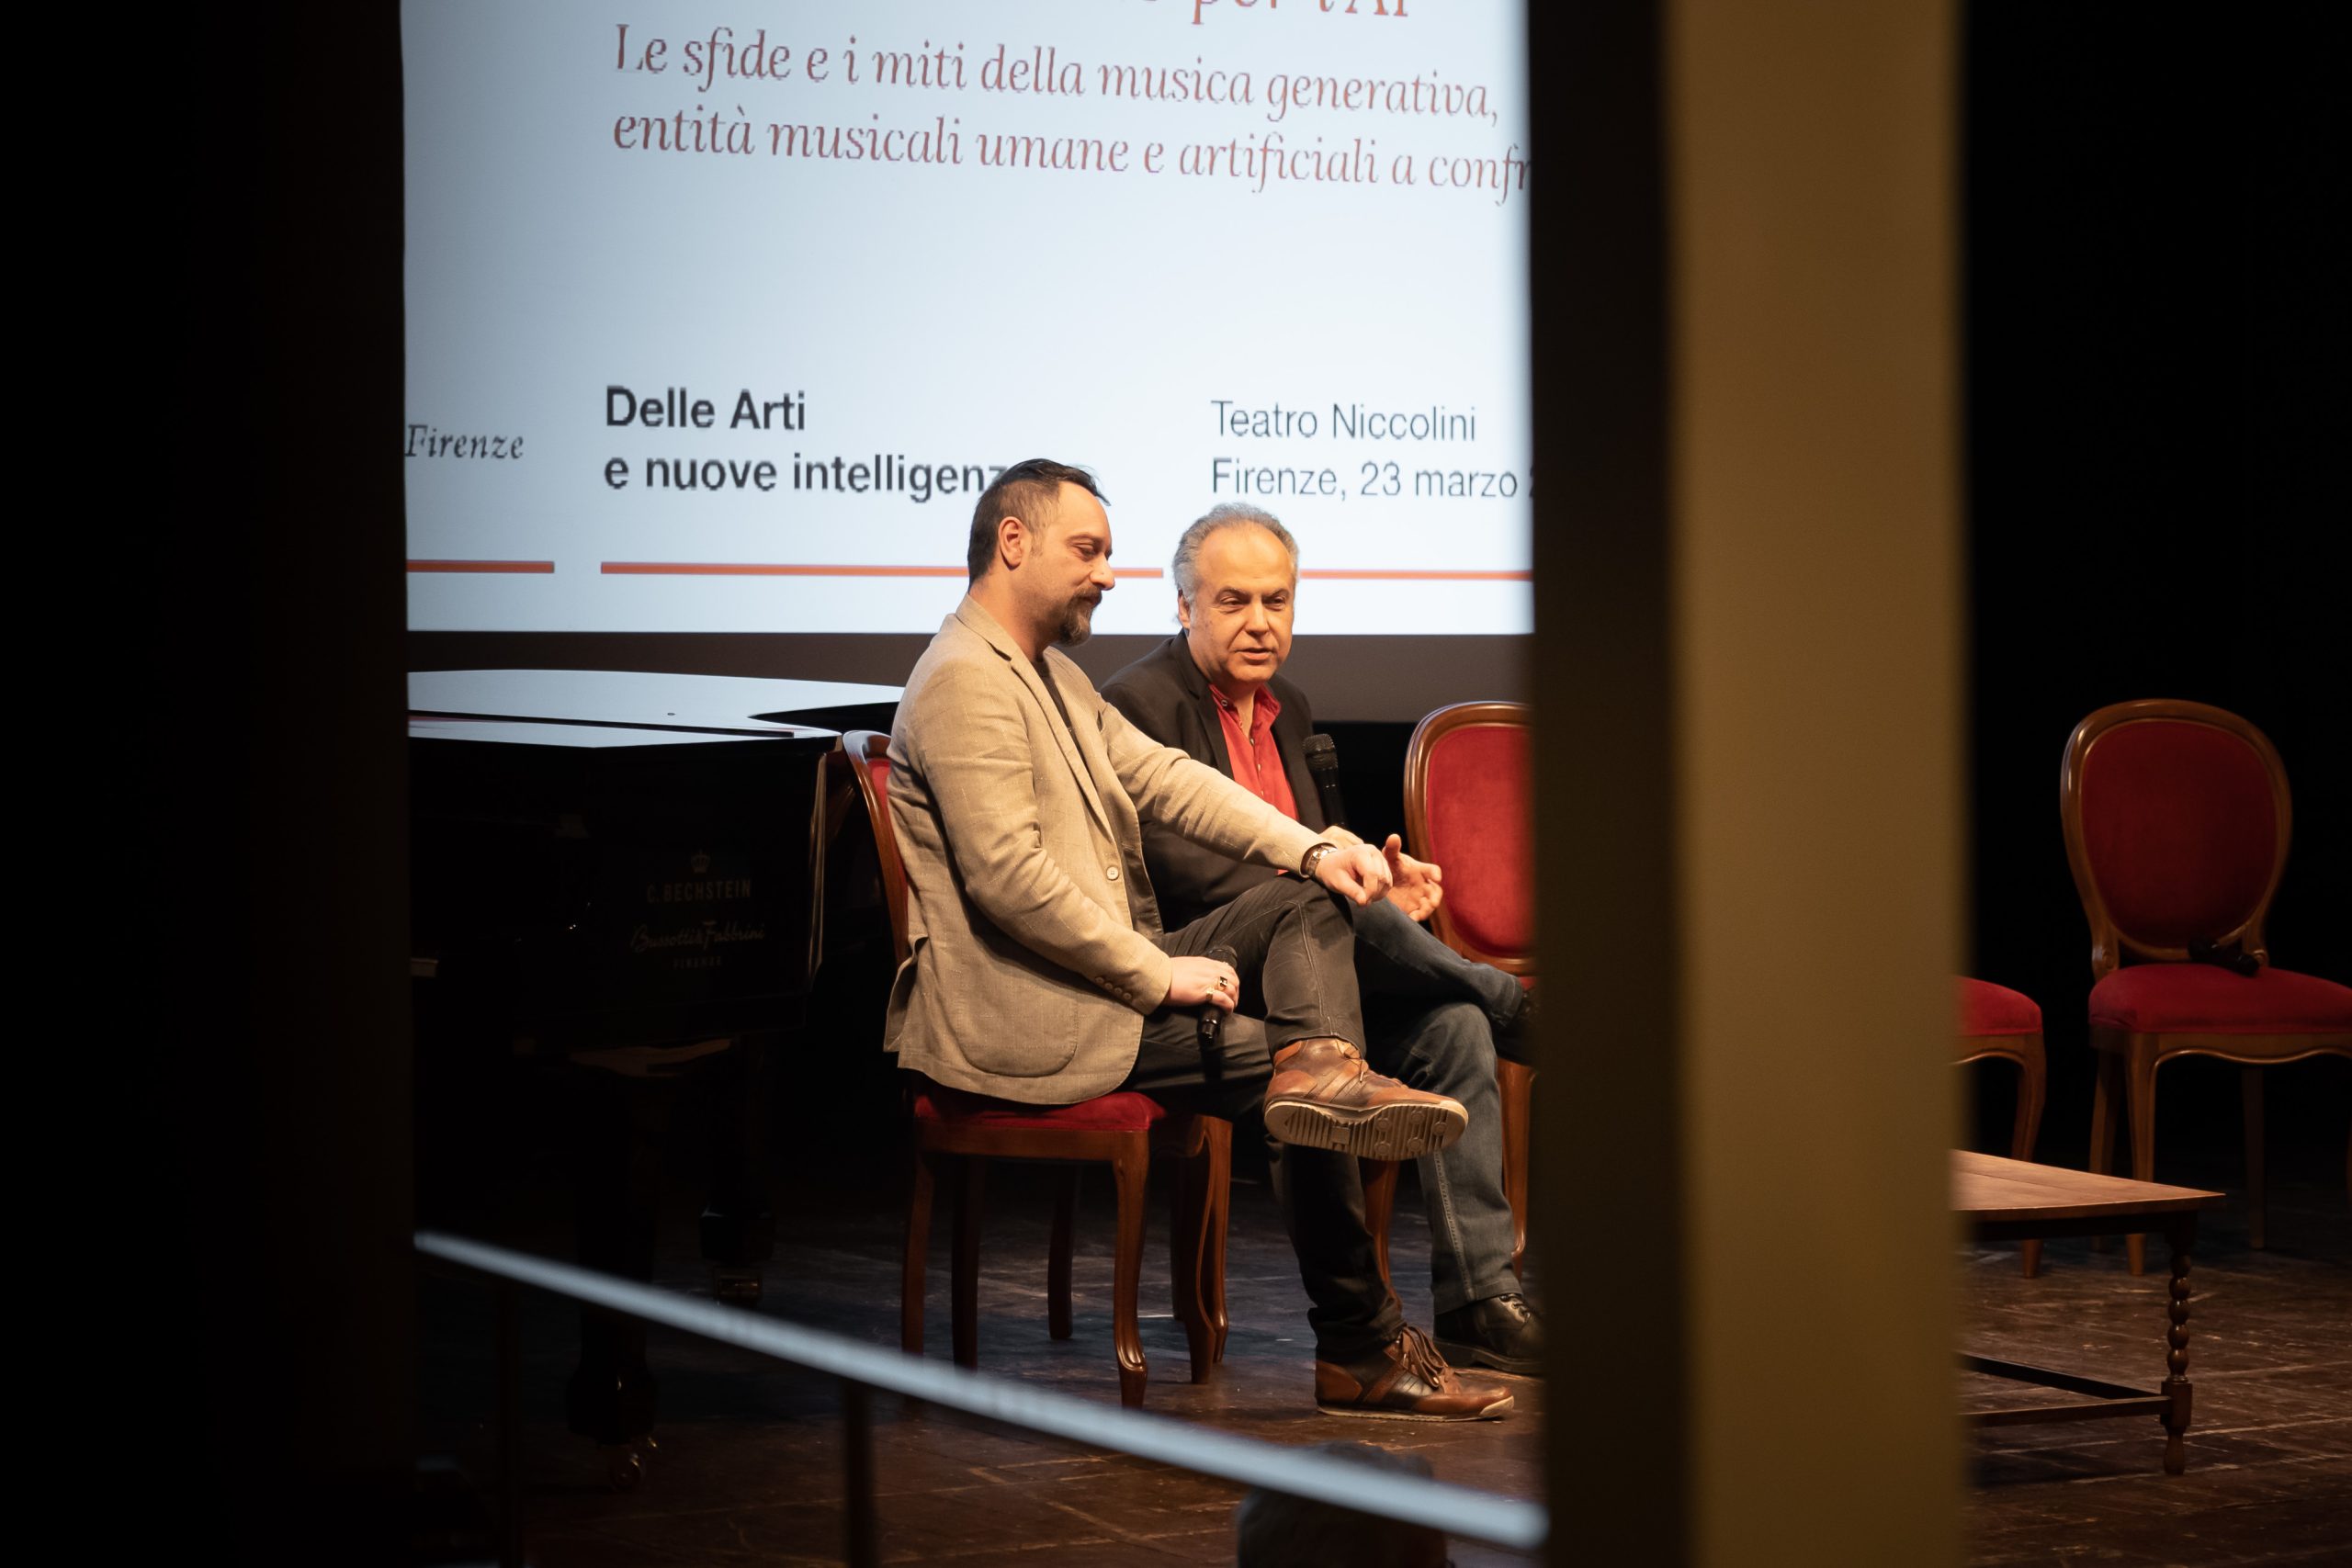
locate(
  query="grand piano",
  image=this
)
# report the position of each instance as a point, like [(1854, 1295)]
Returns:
[(616, 877)]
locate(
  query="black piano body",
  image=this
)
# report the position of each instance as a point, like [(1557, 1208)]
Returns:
[(617, 875), (594, 886)]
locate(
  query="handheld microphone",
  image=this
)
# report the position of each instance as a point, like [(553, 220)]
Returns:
[(1323, 766), (1213, 1016)]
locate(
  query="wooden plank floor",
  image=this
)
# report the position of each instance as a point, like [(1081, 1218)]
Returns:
[(748, 1467), (2270, 1477)]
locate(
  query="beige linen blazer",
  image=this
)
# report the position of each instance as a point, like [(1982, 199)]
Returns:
[(1029, 914)]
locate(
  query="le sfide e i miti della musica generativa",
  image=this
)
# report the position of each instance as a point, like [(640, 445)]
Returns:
[(821, 79)]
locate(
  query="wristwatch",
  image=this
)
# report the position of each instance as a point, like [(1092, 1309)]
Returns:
[(1313, 858)]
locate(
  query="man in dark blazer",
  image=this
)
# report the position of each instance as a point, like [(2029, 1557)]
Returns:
[(1433, 1019)]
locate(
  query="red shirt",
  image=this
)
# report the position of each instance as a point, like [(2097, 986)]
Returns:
[(1257, 764)]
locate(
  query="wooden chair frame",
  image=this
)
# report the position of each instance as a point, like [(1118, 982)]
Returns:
[(1200, 1201), (1434, 728), (2033, 1088), (2128, 1060), (1515, 1081)]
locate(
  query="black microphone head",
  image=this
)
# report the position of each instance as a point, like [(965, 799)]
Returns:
[(1223, 954), (1323, 767)]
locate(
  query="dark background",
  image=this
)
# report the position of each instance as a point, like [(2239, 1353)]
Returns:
[(2155, 417)]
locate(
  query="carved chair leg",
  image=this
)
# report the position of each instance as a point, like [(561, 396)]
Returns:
[(1218, 1170), (1517, 1082), (1188, 1216), (1132, 1170), (1057, 1321), (911, 1271), (2140, 1103), (965, 1289), (1379, 1209), (2250, 1101), (2107, 1091), (2033, 1083)]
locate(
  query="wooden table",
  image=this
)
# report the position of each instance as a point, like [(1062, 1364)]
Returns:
[(2010, 1199)]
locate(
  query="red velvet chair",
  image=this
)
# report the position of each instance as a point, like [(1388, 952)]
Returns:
[(1467, 810), (957, 1134), (1993, 1021), (2177, 817)]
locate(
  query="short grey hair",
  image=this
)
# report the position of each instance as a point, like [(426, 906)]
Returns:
[(1186, 567)]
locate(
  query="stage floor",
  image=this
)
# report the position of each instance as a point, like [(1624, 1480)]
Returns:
[(2270, 1473), (748, 1464)]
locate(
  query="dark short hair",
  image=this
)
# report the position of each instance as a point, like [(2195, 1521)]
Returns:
[(1019, 491), (1272, 1529)]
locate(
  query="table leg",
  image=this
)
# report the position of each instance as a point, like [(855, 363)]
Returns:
[(2182, 1232)]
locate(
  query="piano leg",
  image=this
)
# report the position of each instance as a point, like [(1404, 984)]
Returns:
[(618, 1125), (739, 1227)]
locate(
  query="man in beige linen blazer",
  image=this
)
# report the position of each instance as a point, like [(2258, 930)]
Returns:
[(1041, 851), (1039, 970)]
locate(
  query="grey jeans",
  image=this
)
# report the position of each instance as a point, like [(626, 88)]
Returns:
[(1431, 1017)]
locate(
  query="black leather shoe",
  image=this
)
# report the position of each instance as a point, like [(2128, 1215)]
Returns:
[(1501, 1333)]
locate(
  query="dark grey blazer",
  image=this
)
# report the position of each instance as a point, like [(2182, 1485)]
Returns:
[(1165, 695)]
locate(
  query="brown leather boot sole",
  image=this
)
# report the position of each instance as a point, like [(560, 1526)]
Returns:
[(1374, 1132), (1492, 1410), (1323, 1096)]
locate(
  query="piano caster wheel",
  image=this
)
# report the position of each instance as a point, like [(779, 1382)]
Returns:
[(735, 1286), (624, 1465)]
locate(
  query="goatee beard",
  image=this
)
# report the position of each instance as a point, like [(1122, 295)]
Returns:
[(1078, 624)]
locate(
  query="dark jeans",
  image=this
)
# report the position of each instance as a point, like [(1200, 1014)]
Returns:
[(1394, 957), (1294, 945), (1433, 1019)]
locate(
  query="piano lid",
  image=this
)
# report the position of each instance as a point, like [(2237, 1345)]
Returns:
[(738, 704)]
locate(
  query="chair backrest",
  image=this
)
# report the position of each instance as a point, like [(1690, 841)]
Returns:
[(2177, 819), (1467, 782), (868, 751)]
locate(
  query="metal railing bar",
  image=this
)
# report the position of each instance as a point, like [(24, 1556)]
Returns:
[(1463, 1512)]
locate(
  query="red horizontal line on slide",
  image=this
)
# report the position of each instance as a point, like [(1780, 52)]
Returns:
[(1371, 574), (535, 566), (793, 568)]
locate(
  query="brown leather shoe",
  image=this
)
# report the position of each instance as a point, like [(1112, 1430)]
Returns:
[(1323, 1097), (1405, 1379)]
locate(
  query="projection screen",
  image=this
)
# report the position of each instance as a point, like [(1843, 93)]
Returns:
[(720, 315)]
